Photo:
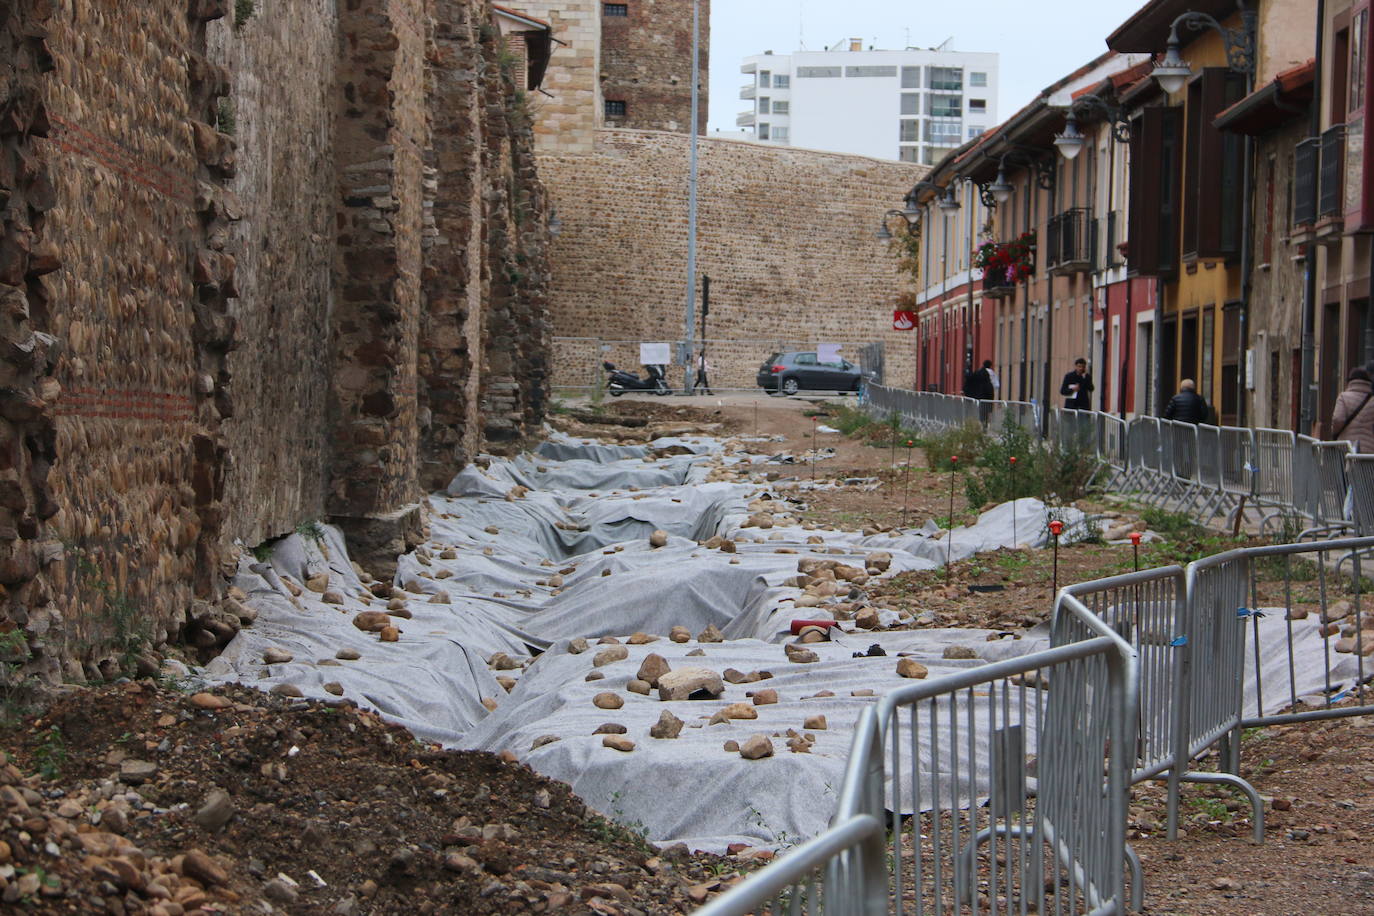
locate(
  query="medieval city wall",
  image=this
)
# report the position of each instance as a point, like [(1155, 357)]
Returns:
[(230, 302), (786, 236)]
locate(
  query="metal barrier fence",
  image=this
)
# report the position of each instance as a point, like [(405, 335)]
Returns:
[(1006, 786), (1204, 471), (999, 770)]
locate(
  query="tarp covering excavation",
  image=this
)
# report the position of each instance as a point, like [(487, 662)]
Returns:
[(526, 555)]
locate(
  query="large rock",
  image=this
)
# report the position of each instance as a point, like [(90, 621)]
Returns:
[(668, 726), (610, 655), (652, 668), (756, 748), (371, 621), (880, 560), (215, 811), (690, 684), (909, 667), (608, 700)]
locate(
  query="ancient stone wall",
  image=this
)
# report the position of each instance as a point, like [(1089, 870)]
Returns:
[(646, 62), (786, 236), (228, 306)]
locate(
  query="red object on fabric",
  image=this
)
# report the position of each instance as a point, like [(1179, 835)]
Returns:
[(823, 624), (903, 320)]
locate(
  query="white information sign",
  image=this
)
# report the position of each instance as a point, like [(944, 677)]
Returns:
[(655, 354)]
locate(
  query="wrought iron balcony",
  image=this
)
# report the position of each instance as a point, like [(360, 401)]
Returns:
[(996, 284), (1331, 184), (1069, 241)]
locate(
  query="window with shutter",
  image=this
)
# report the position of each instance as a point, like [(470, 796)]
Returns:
[(1214, 165), (1152, 231)]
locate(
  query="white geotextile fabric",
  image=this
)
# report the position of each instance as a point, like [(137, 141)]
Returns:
[(689, 789), (432, 681), (581, 515)]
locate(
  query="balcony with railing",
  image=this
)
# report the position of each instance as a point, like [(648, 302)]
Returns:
[(745, 119), (997, 282), (1331, 184), (1069, 241), (748, 91)]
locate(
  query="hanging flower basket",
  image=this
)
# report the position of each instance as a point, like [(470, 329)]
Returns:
[(1014, 260)]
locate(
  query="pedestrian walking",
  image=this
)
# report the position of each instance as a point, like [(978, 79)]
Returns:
[(701, 380), (1076, 387), (1187, 406), (1353, 418)]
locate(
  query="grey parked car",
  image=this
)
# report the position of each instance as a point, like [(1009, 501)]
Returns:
[(795, 371)]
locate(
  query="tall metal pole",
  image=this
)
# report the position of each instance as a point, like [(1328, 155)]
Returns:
[(689, 313), (1307, 395)]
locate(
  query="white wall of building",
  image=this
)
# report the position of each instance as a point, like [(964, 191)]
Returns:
[(884, 104)]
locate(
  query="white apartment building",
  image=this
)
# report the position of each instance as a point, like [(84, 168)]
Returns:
[(914, 105)]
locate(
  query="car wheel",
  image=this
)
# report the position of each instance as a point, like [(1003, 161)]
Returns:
[(790, 386)]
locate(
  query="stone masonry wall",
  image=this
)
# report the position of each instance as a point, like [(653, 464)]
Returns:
[(646, 62), (224, 282), (786, 236)]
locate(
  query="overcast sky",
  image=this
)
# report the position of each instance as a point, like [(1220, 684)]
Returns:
[(1039, 42)]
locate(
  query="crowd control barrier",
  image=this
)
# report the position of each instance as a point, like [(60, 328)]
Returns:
[(1207, 472), (999, 789)]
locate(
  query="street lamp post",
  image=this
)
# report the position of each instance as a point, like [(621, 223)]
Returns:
[(690, 312)]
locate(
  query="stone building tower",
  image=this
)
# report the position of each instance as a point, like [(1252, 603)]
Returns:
[(646, 64)]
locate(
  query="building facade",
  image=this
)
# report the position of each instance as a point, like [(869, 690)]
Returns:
[(914, 105)]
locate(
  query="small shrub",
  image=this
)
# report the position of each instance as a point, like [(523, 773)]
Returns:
[(968, 442), (1168, 522), (992, 478), (50, 754), (1068, 472), (243, 11)]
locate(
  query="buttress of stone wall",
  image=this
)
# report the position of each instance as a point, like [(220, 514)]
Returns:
[(515, 380), (785, 235), (451, 323), (282, 60), (380, 142), (142, 305), (27, 389)]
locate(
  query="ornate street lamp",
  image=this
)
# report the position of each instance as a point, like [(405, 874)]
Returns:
[(1172, 73), (1071, 141), (911, 214)]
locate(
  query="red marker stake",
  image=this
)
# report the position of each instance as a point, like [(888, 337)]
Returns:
[(1056, 529), (1135, 547)]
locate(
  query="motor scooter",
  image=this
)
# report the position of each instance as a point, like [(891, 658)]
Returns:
[(618, 381)]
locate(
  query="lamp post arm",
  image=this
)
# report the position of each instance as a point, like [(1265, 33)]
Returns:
[(1121, 125), (1240, 43)]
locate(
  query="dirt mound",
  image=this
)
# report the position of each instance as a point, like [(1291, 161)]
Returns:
[(138, 798)]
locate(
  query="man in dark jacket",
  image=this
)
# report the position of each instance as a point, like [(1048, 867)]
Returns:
[(1076, 387), (1187, 406)]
